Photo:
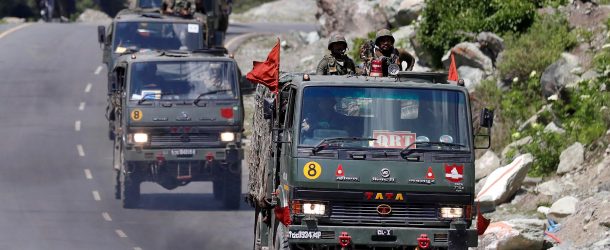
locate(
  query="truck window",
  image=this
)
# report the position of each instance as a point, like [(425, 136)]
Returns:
[(146, 4), (395, 117), (157, 35)]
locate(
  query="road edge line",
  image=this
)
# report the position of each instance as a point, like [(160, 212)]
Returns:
[(11, 30)]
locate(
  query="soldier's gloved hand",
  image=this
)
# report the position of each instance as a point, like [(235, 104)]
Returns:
[(304, 125)]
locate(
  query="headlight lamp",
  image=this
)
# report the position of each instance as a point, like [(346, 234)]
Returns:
[(227, 136), (140, 137), (314, 208), (451, 212)]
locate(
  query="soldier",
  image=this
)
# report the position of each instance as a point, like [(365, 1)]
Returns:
[(179, 7), (337, 62), (383, 50)]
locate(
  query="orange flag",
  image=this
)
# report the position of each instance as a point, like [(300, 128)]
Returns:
[(268, 72), (453, 74)]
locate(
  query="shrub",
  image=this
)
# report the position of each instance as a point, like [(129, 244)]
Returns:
[(601, 61), (354, 53), (448, 22), (536, 49)]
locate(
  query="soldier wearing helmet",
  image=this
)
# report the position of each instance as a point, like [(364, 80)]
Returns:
[(337, 62), (383, 49)]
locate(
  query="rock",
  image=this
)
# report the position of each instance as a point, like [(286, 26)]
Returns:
[(551, 188), (515, 145), (469, 54), (479, 185), (563, 207), (13, 20), (504, 182), (534, 118), (472, 76), (403, 36), (552, 128), (601, 245), (571, 158), (590, 74), (543, 210), (490, 44), (356, 18), (424, 59), (513, 234), (310, 37), (93, 16), (486, 164), (402, 12), (557, 75), (303, 11)]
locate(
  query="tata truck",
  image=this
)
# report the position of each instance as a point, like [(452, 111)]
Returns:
[(356, 162)]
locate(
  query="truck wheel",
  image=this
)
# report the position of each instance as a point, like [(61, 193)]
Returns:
[(232, 189), (131, 192), (218, 188), (281, 241)]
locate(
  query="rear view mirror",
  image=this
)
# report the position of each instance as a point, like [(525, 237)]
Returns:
[(246, 86), (101, 34), (483, 141), (487, 118)]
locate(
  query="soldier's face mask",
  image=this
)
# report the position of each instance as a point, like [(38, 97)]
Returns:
[(338, 49)]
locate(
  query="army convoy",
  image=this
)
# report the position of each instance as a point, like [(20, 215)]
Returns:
[(355, 162)]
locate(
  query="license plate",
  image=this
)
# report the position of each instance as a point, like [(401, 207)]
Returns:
[(183, 152), (384, 232)]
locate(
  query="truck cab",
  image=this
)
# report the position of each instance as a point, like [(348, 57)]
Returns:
[(366, 162), (178, 119)]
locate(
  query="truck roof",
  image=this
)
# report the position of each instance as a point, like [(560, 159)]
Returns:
[(402, 79), (152, 15), (216, 54)]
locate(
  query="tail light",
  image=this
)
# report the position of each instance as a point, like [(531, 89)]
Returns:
[(376, 68), (226, 113), (283, 215), (209, 157)]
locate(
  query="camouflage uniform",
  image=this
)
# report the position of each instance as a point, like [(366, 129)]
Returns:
[(332, 64), (178, 6), (370, 51)]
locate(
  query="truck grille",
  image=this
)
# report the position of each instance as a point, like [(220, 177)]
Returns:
[(185, 140), (365, 213)]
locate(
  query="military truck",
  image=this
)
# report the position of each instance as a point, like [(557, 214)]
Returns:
[(178, 118), (216, 11), (355, 162)]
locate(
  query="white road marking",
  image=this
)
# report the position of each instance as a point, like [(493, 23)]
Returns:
[(98, 70), (77, 125), (120, 233), (137, 248), (81, 107), (96, 195), (88, 174), (81, 151), (106, 216), (88, 87), (14, 29)]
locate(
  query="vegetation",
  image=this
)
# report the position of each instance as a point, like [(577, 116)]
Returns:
[(354, 52)]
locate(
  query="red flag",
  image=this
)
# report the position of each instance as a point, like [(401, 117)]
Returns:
[(268, 72), (453, 74)]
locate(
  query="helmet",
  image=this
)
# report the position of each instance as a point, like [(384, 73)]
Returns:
[(383, 33), (337, 39)]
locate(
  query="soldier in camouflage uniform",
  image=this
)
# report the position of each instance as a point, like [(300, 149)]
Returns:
[(383, 49), (337, 62), (179, 7)]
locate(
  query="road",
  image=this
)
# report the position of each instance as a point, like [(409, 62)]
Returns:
[(56, 176)]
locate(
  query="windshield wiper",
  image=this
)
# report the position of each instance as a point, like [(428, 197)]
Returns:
[(408, 150), (198, 99), (143, 99), (325, 143)]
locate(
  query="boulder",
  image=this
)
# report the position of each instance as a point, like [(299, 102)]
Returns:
[(491, 45), (571, 158), (310, 37), (472, 77), (563, 207), (513, 234), (543, 210), (553, 128), (601, 245), (303, 11), (403, 37), (486, 164), (93, 16), (515, 145), (551, 188), (534, 118), (352, 18), (402, 12), (505, 181), (557, 75), (424, 58), (589, 74), (469, 54)]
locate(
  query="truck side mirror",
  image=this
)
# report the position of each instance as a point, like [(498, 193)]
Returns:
[(268, 108), (246, 86), (101, 33), (487, 118)]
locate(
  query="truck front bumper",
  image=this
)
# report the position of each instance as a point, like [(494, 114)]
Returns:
[(381, 236), (227, 154)]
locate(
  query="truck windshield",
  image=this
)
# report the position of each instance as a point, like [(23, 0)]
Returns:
[(394, 117), (183, 80), (157, 35), (144, 4)]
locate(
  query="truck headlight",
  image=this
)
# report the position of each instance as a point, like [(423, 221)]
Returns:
[(314, 208), (227, 136), (140, 137), (451, 212)]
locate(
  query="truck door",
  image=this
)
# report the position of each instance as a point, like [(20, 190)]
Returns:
[(286, 134)]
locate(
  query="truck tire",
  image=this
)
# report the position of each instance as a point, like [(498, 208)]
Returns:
[(232, 189), (131, 191), (281, 241)]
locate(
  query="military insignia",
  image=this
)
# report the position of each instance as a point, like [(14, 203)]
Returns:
[(454, 173)]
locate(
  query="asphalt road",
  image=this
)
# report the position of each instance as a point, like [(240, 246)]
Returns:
[(56, 178)]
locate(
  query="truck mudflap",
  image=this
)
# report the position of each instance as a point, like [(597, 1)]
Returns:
[(456, 237)]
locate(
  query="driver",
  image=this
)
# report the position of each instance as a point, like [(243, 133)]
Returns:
[(146, 80), (322, 116)]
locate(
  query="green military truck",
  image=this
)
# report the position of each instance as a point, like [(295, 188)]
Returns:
[(354, 162), (178, 118), (216, 11)]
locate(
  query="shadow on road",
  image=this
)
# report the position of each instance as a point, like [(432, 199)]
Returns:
[(185, 202)]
